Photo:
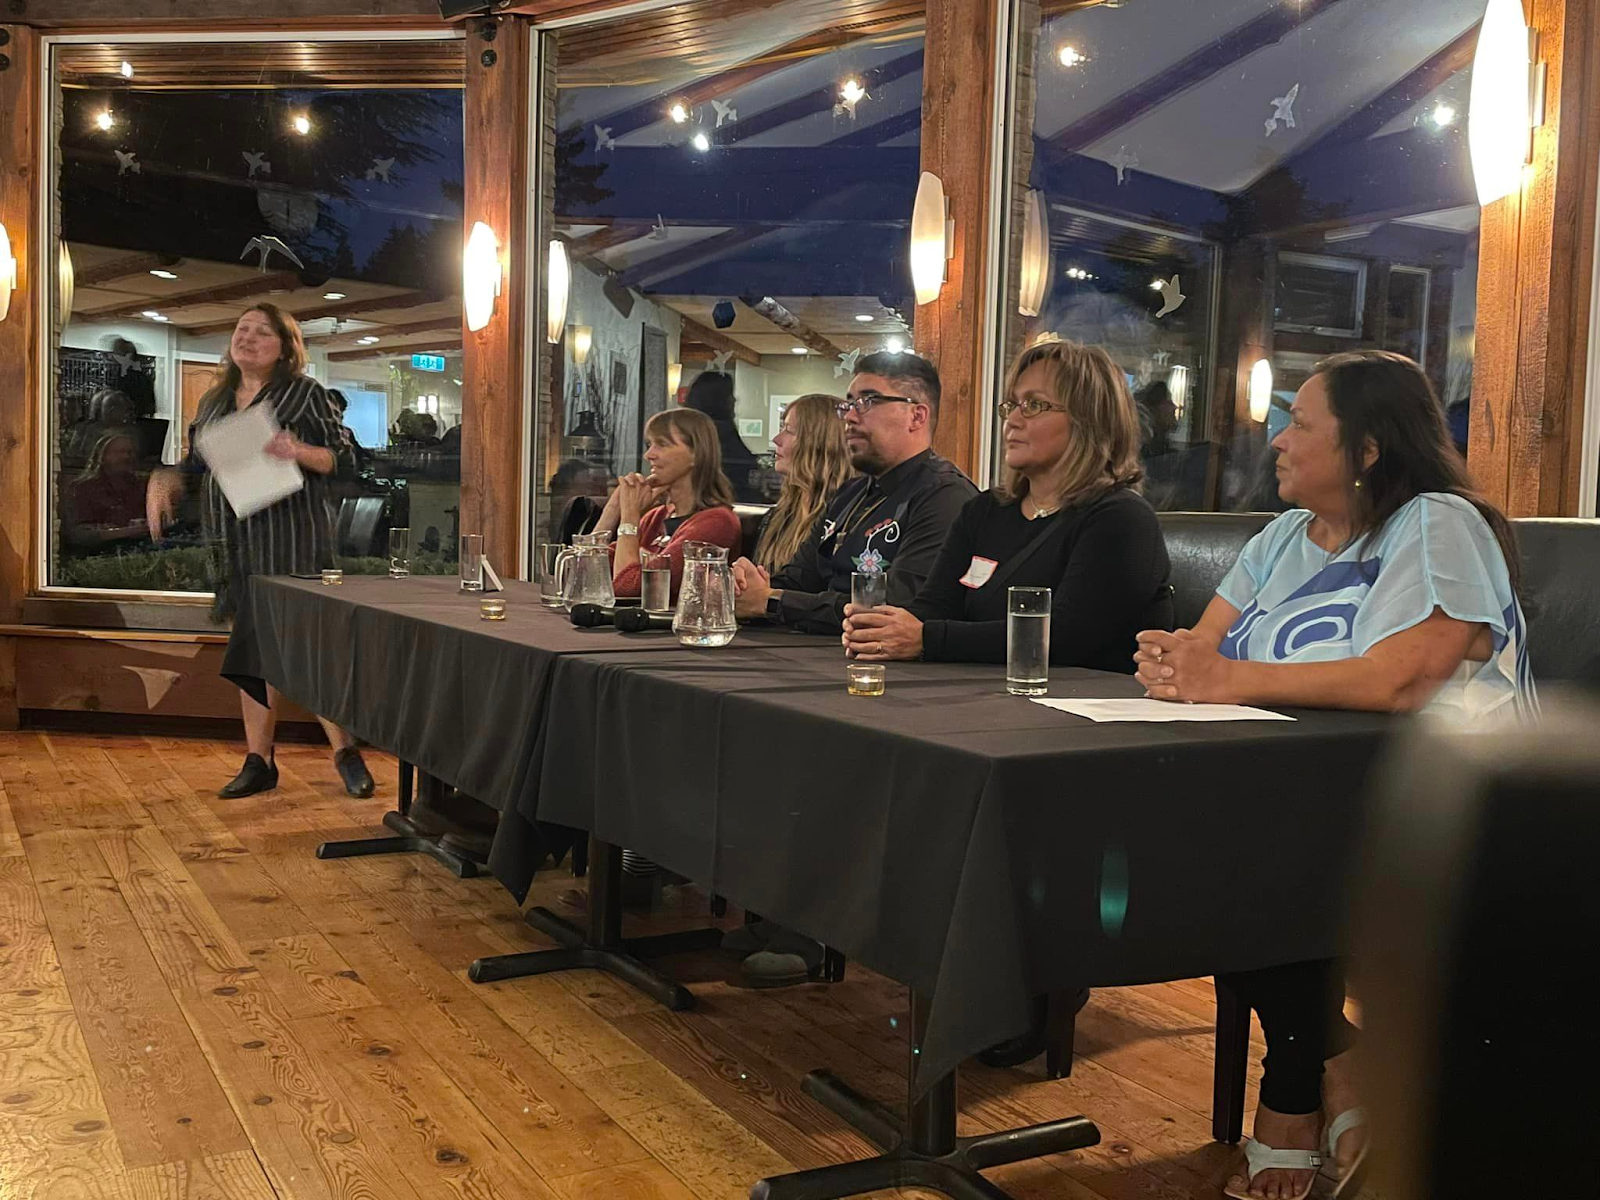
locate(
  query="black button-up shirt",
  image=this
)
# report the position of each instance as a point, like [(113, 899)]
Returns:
[(896, 522)]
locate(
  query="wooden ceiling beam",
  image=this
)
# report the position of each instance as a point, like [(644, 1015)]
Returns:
[(118, 268), (718, 342), (341, 308), (388, 351), (256, 285), (438, 324), (316, 14), (770, 310)]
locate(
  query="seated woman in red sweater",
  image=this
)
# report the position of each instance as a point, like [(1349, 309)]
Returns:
[(685, 498)]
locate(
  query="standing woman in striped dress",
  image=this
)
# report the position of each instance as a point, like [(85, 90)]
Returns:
[(266, 364)]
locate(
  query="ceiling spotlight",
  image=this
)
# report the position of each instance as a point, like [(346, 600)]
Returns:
[(127, 70), (1444, 115), (105, 120), (679, 113), (895, 346), (366, 341), (1157, 284), (852, 92), (150, 314), (798, 350), (163, 274), (333, 295), (864, 318), (302, 124), (1070, 57), (701, 142)]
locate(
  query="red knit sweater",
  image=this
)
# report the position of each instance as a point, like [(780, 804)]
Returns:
[(719, 526)]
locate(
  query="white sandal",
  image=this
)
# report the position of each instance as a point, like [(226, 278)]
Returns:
[(1259, 1157), (1350, 1180)]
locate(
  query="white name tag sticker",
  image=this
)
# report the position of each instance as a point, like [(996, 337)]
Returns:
[(978, 573)]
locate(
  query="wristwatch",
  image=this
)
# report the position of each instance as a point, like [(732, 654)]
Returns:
[(627, 531), (775, 608)]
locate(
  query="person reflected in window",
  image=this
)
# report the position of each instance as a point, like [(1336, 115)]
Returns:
[(893, 518), (811, 458), (358, 453), (711, 393), (266, 364), (1066, 516), (106, 504), (1392, 587), (685, 498)]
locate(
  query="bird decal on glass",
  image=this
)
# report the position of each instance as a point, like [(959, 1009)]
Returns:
[(658, 231), (846, 364), (127, 162), (726, 112), (380, 169), (719, 362), (268, 245), (257, 163), (1122, 160), (1283, 111), (603, 139), (1171, 296)]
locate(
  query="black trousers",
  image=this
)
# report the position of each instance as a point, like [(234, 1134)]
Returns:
[(1301, 1007)]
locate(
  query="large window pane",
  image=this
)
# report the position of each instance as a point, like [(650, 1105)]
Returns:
[(734, 184), (1240, 182), (198, 179)]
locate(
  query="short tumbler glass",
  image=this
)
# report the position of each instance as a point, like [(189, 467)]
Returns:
[(864, 679)]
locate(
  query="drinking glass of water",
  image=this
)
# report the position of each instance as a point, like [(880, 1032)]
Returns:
[(472, 562), (1027, 640), (399, 552), (868, 589), (655, 582)]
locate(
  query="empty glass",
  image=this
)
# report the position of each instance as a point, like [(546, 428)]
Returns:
[(868, 589), (705, 598), (549, 578), (584, 572), (1027, 641), (472, 562), (655, 582), (399, 552)]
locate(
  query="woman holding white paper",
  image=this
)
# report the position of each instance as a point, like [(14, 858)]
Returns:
[(1391, 588), (266, 365)]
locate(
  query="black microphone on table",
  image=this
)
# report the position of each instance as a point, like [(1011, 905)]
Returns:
[(589, 615), (636, 620)]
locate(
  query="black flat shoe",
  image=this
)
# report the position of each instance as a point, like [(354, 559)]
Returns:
[(1013, 1052), (357, 779), (257, 775)]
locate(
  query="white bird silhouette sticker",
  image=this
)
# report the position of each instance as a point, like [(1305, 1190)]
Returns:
[(1161, 357), (1171, 296), (850, 95), (603, 139), (266, 244), (846, 364), (127, 362), (725, 112), (719, 362), (257, 162), (1122, 160), (1283, 110), (127, 162), (658, 231), (380, 169)]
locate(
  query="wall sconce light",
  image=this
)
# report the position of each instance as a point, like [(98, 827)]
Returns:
[(66, 280), (1178, 388), (8, 272), (582, 339), (559, 285), (1507, 100), (480, 276), (932, 238), (674, 377), (1260, 390), (1035, 256)]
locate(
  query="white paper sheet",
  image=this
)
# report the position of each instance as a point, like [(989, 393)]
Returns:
[(1158, 710), (234, 448)]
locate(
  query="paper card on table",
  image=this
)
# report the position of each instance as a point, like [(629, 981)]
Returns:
[(1158, 710), (234, 449)]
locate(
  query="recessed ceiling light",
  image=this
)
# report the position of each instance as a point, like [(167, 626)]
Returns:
[(163, 274), (127, 70), (302, 124), (702, 143), (150, 313), (852, 92), (679, 113), (368, 340), (798, 350), (333, 295), (1070, 57), (864, 318), (1444, 115), (1157, 284), (105, 120), (894, 346)]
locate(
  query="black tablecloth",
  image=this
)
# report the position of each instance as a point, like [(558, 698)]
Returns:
[(974, 845)]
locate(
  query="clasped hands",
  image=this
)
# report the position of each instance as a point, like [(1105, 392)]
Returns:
[(1181, 667), (632, 495)]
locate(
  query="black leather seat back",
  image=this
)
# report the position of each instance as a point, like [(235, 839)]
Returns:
[(1203, 547), (1561, 595), (750, 518)]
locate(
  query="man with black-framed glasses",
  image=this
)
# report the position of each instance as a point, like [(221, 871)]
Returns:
[(893, 518)]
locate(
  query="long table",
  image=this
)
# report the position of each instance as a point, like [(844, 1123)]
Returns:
[(978, 847)]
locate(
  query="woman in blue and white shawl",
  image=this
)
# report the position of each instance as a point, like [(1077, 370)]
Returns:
[(1393, 588)]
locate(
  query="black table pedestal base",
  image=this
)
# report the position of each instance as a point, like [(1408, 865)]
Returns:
[(923, 1151), (603, 948), (411, 840)]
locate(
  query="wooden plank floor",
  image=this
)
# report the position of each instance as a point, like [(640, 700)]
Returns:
[(193, 1007)]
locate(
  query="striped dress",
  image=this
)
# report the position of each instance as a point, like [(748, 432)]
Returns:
[(293, 536)]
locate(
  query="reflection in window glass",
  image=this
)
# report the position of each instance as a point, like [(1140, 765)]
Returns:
[(196, 180), (1247, 181), (734, 185)]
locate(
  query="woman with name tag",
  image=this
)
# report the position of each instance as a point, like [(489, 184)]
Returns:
[(1067, 516), (685, 498), (1391, 588)]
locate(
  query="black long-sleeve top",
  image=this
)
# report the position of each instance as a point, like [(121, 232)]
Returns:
[(1105, 561)]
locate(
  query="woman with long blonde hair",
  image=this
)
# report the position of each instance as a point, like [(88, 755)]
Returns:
[(814, 462)]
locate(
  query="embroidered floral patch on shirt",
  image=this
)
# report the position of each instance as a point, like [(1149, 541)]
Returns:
[(870, 562)]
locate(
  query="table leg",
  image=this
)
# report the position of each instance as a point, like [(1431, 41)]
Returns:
[(922, 1151), (602, 947), (1231, 1058), (410, 839)]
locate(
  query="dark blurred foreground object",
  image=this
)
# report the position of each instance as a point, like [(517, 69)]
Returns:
[(1476, 935)]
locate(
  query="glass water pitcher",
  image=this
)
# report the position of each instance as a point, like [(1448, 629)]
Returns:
[(705, 598), (583, 572)]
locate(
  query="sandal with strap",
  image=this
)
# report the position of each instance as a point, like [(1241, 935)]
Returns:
[(1350, 1181), (1259, 1158)]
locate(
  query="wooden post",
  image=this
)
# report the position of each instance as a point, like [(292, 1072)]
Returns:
[(958, 81), (19, 337), (1534, 276), (494, 380)]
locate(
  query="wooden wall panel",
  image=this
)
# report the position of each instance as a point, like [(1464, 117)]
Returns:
[(100, 14), (957, 101), (499, 52)]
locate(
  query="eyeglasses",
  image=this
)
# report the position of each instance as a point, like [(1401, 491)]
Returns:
[(865, 402), (1031, 407)]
